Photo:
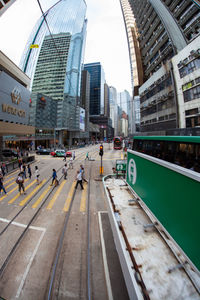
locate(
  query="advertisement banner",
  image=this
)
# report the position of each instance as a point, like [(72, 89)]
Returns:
[(171, 196), (82, 119)]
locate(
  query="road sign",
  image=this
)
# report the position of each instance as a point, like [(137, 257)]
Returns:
[(121, 165)]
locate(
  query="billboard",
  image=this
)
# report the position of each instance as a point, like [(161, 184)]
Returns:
[(14, 100), (82, 119)]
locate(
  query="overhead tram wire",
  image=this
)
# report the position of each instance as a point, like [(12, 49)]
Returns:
[(44, 16)]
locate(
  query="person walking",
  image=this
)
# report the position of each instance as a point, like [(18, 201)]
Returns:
[(24, 170), (64, 171), (37, 175), (54, 177), (20, 182), (3, 169), (1, 184), (79, 180), (64, 159), (73, 155), (83, 174), (29, 171), (71, 163), (87, 156)]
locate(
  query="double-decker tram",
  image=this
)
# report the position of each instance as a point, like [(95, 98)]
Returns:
[(117, 143), (180, 150)]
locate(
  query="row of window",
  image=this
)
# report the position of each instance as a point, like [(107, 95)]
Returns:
[(190, 84), (191, 94), (190, 67), (159, 87)]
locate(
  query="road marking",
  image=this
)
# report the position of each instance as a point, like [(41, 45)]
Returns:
[(10, 192), (32, 193), (8, 180), (83, 198), (7, 186), (26, 188), (34, 252), (105, 263), (51, 203), (69, 197), (41, 197)]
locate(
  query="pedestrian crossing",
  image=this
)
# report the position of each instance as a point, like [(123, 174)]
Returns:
[(57, 195)]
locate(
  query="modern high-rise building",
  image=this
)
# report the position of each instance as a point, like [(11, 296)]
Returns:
[(53, 58), (164, 28), (97, 80)]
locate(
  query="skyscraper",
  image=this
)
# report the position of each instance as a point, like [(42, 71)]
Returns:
[(54, 58), (164, 28), (97, 80)]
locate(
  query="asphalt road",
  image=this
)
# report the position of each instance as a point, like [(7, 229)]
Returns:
[(28, 272)]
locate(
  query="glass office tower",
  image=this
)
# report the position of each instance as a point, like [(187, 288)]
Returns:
[(97, 81), (53, 60)]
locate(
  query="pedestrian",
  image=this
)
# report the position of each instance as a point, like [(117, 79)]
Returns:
[(37, 175), (29, 171), (3, 169), (73, 155), (71, 163), (83, 173), (87, 156), (1, 184), (20, 182), (24, 170), (64, 159), (54, 177), (64, 171), (79, 180)]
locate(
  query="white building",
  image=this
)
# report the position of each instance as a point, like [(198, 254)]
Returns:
[(186, 65)]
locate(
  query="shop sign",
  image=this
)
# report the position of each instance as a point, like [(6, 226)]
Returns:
[(14, 100)]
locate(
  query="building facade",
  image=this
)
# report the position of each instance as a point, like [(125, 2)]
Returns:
[(54, 61), (14, 106), (165, 28), (97, 80)]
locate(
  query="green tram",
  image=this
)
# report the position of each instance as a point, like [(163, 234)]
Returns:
[(164, 172), (180, 150)]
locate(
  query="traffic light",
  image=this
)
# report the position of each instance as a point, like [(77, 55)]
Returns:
[(101, 150)]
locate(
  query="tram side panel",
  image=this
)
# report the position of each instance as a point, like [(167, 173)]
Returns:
[(172, 194)]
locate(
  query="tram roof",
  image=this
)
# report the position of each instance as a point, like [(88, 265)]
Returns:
[(186, 139)]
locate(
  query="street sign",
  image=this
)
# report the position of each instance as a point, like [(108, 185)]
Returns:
[(121, 165)]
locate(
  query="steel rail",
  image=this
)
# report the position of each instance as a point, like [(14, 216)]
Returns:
[(60, 244), (19, 212), (2, 269), (88, 241), (37, 192)]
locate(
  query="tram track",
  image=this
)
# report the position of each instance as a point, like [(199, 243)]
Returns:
[(22, 235), (58, 254)]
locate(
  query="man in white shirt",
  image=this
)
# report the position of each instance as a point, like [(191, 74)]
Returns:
[(79, 180)]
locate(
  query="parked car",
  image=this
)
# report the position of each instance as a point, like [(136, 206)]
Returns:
[(61, 153), (58, 153), (9, 153), (43, 151)]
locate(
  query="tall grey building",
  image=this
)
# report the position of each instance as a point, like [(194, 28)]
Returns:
[(54, 62), (163, 28)]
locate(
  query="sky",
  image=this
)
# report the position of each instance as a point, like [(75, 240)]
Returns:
[(106, 40)]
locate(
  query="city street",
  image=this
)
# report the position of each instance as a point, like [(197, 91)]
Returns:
[(30, 271)]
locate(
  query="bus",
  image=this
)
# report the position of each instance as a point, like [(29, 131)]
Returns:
[(117, 143), (180, 150)]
